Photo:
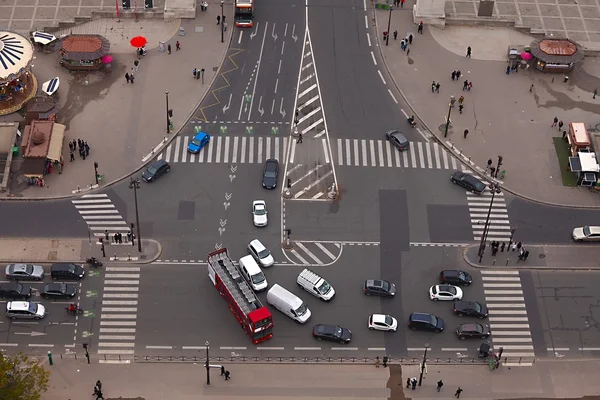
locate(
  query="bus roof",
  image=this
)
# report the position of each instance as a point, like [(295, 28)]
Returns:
[(243, 3)]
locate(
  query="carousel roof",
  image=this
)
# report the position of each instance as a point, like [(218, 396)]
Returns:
[(16, 54), (84, 47), (557, 51)]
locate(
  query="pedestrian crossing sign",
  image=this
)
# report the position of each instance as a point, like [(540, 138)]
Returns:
[(223, 129)]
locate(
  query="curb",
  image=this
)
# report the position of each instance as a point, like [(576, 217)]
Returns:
[(442, 143), (138, 169)]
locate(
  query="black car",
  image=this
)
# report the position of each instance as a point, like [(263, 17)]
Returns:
[(425, 322), (376, 287), (468, 181), (14, 290), (270, 174), (470, 309), (455, 277), (67, 271), (332, 333), (465, 331), (397, 139), (156, 170), (58, 291)]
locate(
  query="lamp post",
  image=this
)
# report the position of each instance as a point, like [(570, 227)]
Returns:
[(450, 104), (96, 171), (423, 364), (222, 22), (387, 38), (207, 365), (168, 122), (134, 184), (495, 189)]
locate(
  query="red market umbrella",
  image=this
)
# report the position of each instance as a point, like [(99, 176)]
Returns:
[(526, 56), (107, 59), (138, 41)]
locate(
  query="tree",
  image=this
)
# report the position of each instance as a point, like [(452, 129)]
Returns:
[(22, 378)]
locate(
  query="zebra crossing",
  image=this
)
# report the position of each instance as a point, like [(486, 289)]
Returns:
[(100, 214), (507, 313), (314, 253), (116, 340)]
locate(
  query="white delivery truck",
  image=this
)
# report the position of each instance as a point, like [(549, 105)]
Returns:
[(315, 285), (288, 303)]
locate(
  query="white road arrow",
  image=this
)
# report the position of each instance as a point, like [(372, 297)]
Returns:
[(228, 196), (226, 205), (226, 107), (261, 110), (294, 34), (221, 231), (255, 32), (273, 34), (281, 110), (233, 168), (222, 223), (218, 246), (30, 333), (231, 177)]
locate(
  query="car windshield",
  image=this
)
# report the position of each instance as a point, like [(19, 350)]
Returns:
[(195, 142), (385, 286), (260, 210), (450, 289), (434, 320), (300, 311), (258, 278), (152, 169), (264, 254), (479, 185), (388, 320), (337, 331), (478, 328), (587, 231), (477, 307), (324, 288), (33, 308), (262, 323), (29, 269), (462, 276)]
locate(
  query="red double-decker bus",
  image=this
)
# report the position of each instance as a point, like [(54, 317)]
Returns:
[(244, 13), (256, 320)]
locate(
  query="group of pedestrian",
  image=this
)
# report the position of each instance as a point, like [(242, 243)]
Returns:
[(385, 361), (98, 390), (411, 383), (456, 75), (399, 3), (82, 146), (513, 246), (557, 122), (130, 76), (467, 85), (435, 87), (198, 73), (203, 6), (225, 373), (222, 21)]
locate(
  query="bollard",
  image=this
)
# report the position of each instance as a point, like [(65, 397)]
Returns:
[(494, 263), (164, 139), (507, 260), (128, 257), (50, 358), (115, 256), (78, 189)]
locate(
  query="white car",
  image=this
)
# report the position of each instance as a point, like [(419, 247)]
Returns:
[(382, 322), (445, 292), (259, 213), (260, 253), (586, 234)]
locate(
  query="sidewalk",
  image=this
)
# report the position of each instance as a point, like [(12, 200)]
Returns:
[(123, 122), (75, 250), (74, 379), (502, 116), (567, 257)]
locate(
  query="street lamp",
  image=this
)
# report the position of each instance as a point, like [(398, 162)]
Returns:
[(450, 104), (134, 184), (168, 122), (207, 365), (495, 189), (387, 38), (423, 364), (222, 21)]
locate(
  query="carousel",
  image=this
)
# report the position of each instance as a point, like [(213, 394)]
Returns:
[(17, 83)]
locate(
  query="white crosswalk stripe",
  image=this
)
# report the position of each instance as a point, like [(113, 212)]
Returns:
[(314, 253), (507, 314), (118, 317), (100, 214)]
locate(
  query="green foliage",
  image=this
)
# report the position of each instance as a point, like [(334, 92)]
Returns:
[(22, 378)]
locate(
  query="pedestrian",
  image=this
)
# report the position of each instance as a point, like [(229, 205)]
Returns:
[(513, 247), (70, 146), (116, 238), (79, 143), (402, 45), (453, 75), (420, 28), (169, 48), (74, 144), (465, 133), (494, 250), (127, 76), (493, 172), (72, 156), (469, 52), (564, 135), (502, 247), (521, 252), (410, 38), (385, 361), (433, 87), (177, 46), (470, 86), (99, 385), (458, 392), (413, 383), (106, 234), (526, 255), (299, 138), (439, 385), (508, 70), (136, 65), (458, 74), (531, 88), (465, 84), (402, 3), (224, 22), (560, 124), (87, 149), (129, 240), (554, 122), (222, 366), (395, 35), (460, 108), (519, 245), (437, 87), (82, 152), (131, 78), (407, 383), (218, 19), (595, 93), (227, 375), (377, 362)]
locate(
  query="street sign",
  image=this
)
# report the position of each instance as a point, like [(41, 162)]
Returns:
[(250, 130), (274, 130), (223, 129), (91, 293)]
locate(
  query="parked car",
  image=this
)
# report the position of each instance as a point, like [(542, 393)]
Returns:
[(455, 277), (397, 139), (465, 331), (468, 181), (445, 292), (332, 333), (259, 213), (58, 291), (25, 310), (270, 173), (155, 170), (382, 322), (67, 271), (586, 234), (378, 287), (15, 290), (470, 309), (260, 253), (425, 322), (24, 272), (200, 140)]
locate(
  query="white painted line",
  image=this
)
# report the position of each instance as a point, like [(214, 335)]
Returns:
[(193, 347), (413, 156), (121, 282), (240, 37), (507, 312), (314, 124), (436, 153), (184, 154), (372, 153), (121, 289), (324, 250), (376, 349), (119, 309), (117, 323), (416, 349), (558, 349), (9, 344), (380, 153), (315, 183), (344, 348), (325, 151), (356, 154), (494, 292), (310, 114), (118, 316), (501, 285), (308, 102), (366, 22), (589, 349), (120, 295), (509, 326), (512, 340), (515, 347), (373, 54), (117, 330), (313, 86), (211, 145), (421, 155), (457, 349), (499, 299), (177, 148), (159, 347), (363, 147), (308, 253), (299, 257), (235, 150), (94, 196), (365, 5), (369, 39), (340, 152), (522, 305), (292, 153), (311, 171), (114, 361), (40, 345), (219, 144), (500, 278), (232, 348), (496, 272), (428, 152), (517, 355), (445, 158), (307, 348), (116, 337), (122, 352), (115, 344), (122, 269), (381, 76), (269, 348), (127, 276)]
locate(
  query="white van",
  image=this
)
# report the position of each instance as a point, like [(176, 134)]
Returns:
[(288, 303), (253, 274), (315, 285)]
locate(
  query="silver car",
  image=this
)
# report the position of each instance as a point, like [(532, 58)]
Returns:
[(24, 272), (586, 234)]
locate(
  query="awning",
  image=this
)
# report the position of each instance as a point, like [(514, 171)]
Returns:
[(43, 38), (34, 167), (51, 86), (56, 142)]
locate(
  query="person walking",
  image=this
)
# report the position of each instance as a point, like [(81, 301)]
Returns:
[(413, 383), (502, 247), (177, 46), (453, 75), (439, 385), (433, 87), (136, 65), (407, 383), (560, 124), (127, 76), (99, 385), (299, 140), (169, 48), (131, 77), (458, 74), (385, 361), (72, 156), (437, 87), (377, 362), (227, 375), (395, 35), (420, 28), (595, 93), (470, 86), (554, 122), (519, 245), (402, 3), (218, 19), (525, 255), (469, 52), (465, 133), (531, 88), (508, 70), (460, 108), (222, 366), (458, 392), (410, 38), (465, 84), (513, 247)]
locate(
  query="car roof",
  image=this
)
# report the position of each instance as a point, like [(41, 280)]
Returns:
[(54, 285), (375, 282), (464, 303), (159, 163), (378, 317), (10, 285), (468, 327), (446, 287), (450, 272), (326, 328), (257, 244), (594, 229), (399, 135), (17, 305), (201, 135), (419, 316)]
